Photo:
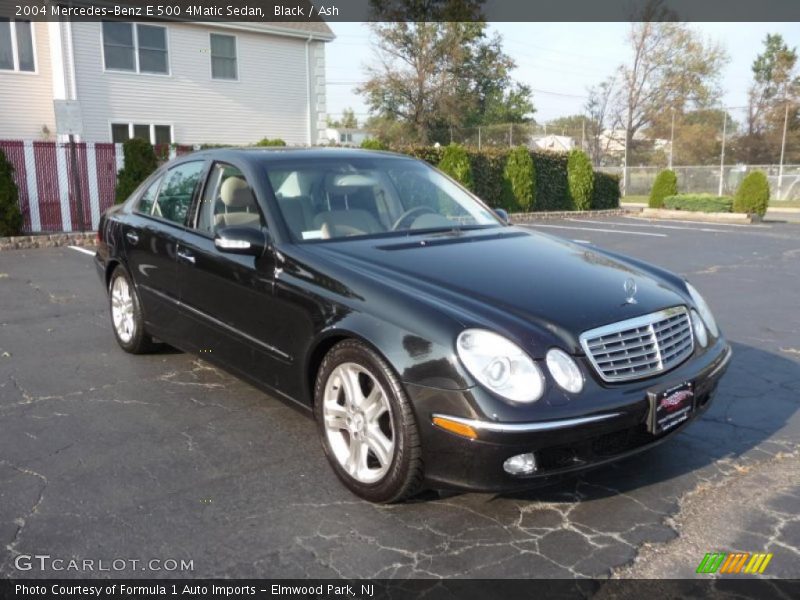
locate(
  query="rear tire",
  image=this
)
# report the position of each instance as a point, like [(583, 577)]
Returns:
[(367, 425), (127, 319)]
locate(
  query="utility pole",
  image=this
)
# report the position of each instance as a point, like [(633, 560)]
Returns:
[(671, 139), (479, 137), (511, 134), (783, 151), (722, 157), (625, 166), (583, 134)]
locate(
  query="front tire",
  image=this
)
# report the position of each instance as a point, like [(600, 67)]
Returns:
[(367, 425), (127, 319)]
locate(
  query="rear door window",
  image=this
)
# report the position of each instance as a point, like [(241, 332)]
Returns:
[(176, 193), (146, 200)]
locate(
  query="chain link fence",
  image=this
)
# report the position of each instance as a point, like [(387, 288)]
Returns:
[(711, 150)]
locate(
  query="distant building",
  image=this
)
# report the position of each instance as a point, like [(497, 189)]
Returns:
[(347, 136), (553, 143)]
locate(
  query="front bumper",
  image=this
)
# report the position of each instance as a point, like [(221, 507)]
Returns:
[(618, 428)]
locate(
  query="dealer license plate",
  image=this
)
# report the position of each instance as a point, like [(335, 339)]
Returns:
[(670, 407)]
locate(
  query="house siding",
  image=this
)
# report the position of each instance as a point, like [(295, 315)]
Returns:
[(270, 98), (26, 99)]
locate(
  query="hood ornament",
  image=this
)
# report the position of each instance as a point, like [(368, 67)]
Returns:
[(630, 291)]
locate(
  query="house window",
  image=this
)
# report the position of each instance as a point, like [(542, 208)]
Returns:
[(345, 137), (16, 46), (155, 134), (137, 48), (223, 56)]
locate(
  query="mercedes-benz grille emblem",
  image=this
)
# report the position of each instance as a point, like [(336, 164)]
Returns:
[(630, 291)]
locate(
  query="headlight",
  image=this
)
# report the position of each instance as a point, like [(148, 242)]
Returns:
[(500, 365), (564, 370), (703, 309), (700, 333)]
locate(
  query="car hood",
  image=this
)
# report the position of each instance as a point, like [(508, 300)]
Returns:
[(511, 277)]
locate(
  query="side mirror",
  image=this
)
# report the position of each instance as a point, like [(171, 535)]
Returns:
[(501, 212), (241, 240)]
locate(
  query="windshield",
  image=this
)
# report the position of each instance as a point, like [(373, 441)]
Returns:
[(351, 198)]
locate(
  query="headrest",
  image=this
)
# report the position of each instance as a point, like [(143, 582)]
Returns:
[(235, 193)]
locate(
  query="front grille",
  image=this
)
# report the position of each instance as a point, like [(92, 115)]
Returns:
[(640, 347)]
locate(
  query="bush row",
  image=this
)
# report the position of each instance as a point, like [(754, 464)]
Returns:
[(699, 203), (752, 197), (497, 175)]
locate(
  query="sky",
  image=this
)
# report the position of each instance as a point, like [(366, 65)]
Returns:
[(558, 60)]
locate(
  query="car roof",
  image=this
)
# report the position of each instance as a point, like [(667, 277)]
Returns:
[(261, 155)]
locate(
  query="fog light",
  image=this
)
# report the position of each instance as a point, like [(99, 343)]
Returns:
[(521, 464)]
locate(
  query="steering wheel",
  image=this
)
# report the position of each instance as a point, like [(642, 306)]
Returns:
[(410, 212)]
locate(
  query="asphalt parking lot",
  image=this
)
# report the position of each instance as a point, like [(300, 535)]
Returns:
[(108, 456)]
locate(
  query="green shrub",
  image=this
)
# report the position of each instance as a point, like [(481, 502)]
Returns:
[(269, 142), (752, 197), (488, 181), (699, 202), (666, 184), (455, 162), (580, 177), (10, 216), (373, 144), (520, 180), (605, 194), (140, 162)]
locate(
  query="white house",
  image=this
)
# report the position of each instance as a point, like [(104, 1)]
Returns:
[(347, 136), (185, 83), (555, 143)]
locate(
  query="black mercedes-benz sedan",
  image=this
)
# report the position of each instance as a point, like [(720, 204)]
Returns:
[(434, 344)]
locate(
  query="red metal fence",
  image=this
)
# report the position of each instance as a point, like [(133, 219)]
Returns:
[(45, 173)]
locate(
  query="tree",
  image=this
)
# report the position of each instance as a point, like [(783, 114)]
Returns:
[(140, 162), (348, 120), (10, 216), (436, 67), (671, 67), (775, 86), (597, 108)]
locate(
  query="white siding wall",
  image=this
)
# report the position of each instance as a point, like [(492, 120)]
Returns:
[(319, 110), (26, 99), (270, 99)]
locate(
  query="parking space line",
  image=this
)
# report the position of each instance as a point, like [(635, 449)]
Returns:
[(657, 226), (702, 222), (83, 250), (598, 229)]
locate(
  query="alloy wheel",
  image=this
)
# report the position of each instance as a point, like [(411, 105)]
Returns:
[(358, 423), (122, 309)]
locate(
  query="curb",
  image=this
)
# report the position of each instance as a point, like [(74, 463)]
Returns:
[(720, 217), (543, 216), (55, 240)]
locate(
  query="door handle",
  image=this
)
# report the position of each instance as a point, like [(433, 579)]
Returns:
[(187, 256), (133, 237)]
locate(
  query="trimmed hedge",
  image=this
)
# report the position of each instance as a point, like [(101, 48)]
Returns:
[(488, 165), (666, 184), (270, 142), (520, 180), (373, 144), (699, 203), (606, 192), (10, 216), (752, 197), (455, 162), (140, 162), (580, 177)]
